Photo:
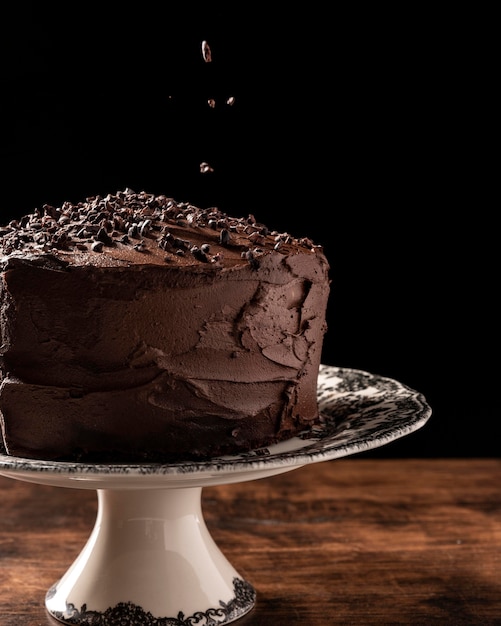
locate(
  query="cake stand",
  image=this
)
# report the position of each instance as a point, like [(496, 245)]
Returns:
[(150, 560)]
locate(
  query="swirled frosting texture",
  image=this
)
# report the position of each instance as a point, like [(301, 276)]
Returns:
[(137, 328)]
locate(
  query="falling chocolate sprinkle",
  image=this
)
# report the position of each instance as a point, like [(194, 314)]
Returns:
[(205, 168), (206, 52)]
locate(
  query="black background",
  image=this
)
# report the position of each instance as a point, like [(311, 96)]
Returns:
[(368, 130)]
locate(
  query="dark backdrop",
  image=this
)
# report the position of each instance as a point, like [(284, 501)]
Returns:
[(362, 129)]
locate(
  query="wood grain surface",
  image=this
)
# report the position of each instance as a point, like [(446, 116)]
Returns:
[(350, 541)]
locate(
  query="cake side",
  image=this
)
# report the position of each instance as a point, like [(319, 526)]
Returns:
[(142, 350)]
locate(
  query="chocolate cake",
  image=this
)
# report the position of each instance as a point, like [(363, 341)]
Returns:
[(137, 328)]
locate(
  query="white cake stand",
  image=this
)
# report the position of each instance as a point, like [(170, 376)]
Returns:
[(150, 560)]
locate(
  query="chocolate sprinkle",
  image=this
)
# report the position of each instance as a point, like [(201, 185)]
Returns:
[(127, 218), (206, 52)]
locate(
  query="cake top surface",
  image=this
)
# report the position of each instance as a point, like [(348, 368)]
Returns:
[(129, 228)]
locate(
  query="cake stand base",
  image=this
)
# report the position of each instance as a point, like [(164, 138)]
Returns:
[(150, 560)]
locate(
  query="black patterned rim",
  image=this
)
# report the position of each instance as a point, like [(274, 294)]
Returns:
[(359, 410), (129, 614)]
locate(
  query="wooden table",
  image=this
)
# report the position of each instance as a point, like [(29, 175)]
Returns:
[(350, 541)]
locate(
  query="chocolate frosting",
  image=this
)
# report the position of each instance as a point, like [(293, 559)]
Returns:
[(138, 328)]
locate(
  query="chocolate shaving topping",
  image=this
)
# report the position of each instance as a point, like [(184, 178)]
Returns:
[(127, 218), (206, 52), (205, 168)]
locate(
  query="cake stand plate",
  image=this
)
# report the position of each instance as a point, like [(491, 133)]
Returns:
[(150, 559)]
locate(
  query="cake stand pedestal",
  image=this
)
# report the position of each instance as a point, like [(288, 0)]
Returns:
[(150, 559), (150, 554)]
